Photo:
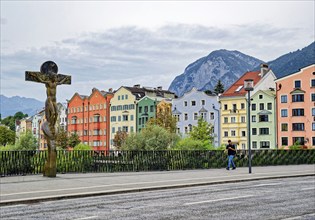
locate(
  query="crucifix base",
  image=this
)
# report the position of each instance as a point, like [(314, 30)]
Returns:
[(50, 168)]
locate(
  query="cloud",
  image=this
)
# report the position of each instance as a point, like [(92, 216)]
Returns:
[(131, 55)]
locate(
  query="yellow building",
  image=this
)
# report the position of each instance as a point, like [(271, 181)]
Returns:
[(123, 111), (234, 106)]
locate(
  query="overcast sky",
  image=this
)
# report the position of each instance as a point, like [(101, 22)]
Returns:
[(107, 44)]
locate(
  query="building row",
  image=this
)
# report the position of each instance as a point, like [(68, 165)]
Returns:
[(275, 113)]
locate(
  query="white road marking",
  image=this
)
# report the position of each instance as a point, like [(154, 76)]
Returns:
[(267, 184), (90, 217), (311, 188), (300, 217), (217, 200)]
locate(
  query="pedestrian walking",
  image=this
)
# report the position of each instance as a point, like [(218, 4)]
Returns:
[(231, 154)]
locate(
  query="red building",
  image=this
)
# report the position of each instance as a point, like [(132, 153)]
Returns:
[(88, 116)]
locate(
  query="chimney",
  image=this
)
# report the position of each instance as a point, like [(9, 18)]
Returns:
[(110, 90), (264, 68), (159, 88), (137, 86)]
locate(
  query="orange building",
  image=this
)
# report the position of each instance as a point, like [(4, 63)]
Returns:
[(296, 108), (88, 116)]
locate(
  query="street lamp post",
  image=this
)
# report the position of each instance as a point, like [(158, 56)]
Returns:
[(249, 86)]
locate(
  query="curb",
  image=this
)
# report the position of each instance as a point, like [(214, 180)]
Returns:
[(143, 189)]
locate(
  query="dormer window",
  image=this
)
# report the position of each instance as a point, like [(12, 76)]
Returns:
[(297, 84)]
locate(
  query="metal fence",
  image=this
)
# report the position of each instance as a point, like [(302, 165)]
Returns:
[(32, 162)]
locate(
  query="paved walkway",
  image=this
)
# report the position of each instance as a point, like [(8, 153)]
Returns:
[(35, 188)]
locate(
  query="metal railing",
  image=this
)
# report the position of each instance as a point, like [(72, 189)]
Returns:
[(32, 162)]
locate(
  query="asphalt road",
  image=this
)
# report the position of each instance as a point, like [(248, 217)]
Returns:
[(289, 199)]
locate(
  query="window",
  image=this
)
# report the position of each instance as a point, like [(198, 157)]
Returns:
[(195, 116), (226, 134), (253, 118), (226, 120), (243, 133), (122, 97), (284, 99), (113, 118), (263, 131), (269, 106), (96, 143), (254, 144), (261, 96), (298, 126), (298, 98), (233, 133), (313, 111), (96, 132), (297, 84), (313, 141), (263, 118), (125, 128), (126, 96), (264, 144), (185, 116), (298, 112), (261, 106), (203, 102), (313, 97), (97, 118), (313, 126), (186, 130), (73, 120), (193, 103), (119, 118), (313, 83), (151, 108), (284, 127), (298, 140), (253, 107), (185, 103), (211, 115), (113, 129), (131, 128), (254, 131), (225, 107), (234, 108), (243, 119), (140, 109), (242, 106), (204, 115), (125, 117), (233, 119), (284, 141), (131, 118), (119, 97), (284, 113)]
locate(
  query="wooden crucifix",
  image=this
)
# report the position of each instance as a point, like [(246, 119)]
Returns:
[(48, 75)]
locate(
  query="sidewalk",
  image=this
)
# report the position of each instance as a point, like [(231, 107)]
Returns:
[(36, 188)]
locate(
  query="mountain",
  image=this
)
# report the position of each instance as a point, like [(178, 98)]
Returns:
[(228, 66), (9, 106), (293, 61), (204, 73)]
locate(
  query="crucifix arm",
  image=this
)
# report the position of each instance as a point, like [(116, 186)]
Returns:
[(35, 77), (63, 79)]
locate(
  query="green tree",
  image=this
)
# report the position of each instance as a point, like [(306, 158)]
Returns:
[(203, 131), (62, 139), (119, 138), (73, 140), (27, 141), (82, 146), (7, 136), (164, 119), (10, 120), (219, 87), (152, 137), (191, 144)]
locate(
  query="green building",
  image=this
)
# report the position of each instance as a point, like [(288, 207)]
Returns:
[(146, 109), (263, 120)]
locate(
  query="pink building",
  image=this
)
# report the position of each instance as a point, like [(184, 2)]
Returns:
[(296, 108)]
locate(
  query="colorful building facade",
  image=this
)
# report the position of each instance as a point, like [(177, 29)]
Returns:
[(296, 108), (234, 105), (192, 105), (263, 120), (88, 116)]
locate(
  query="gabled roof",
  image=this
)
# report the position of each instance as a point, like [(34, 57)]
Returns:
[(203, 109), (237, 89), (176, 112)]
